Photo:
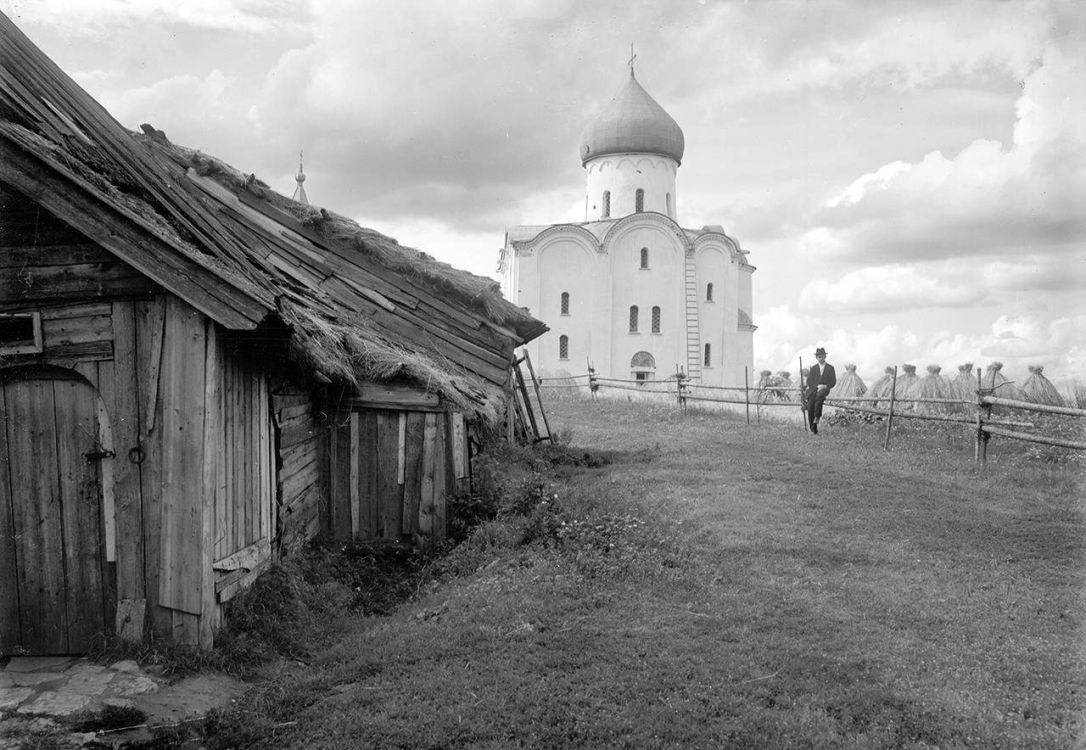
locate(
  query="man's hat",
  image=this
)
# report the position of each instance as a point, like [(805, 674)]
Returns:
[(820, 352)]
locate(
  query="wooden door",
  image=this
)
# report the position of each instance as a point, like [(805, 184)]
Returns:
[(52, 557)]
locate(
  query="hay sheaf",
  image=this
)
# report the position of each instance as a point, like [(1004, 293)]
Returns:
[(932, 385), (1039, 390), (850, 385), (994, 379), (882, 387), (965, 383), (905, 380)]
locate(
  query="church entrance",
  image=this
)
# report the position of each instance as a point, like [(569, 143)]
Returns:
[(643, 367)]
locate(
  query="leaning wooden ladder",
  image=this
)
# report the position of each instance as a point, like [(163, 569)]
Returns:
[(693, 331), (523, 400)]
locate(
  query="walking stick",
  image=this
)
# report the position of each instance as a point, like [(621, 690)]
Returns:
[(803, 397)]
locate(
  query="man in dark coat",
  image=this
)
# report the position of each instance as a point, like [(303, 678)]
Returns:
[(820, 379)]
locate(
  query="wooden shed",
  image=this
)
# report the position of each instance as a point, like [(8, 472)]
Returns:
[(198, 375)]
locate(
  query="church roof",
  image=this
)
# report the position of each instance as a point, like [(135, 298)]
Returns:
[(633, 122)]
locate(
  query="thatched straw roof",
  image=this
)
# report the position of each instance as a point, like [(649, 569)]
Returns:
[(1039, 390), (850, 385)]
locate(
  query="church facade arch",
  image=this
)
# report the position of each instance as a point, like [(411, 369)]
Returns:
[(662, 223)]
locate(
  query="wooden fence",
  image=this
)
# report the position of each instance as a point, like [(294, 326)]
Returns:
[(976, 413)]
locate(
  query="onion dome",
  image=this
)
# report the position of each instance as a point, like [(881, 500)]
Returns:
[(634, 123)]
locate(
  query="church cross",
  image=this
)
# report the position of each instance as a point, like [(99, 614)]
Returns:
[(632, 58)]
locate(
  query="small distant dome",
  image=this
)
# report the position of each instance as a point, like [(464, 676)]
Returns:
[(633, 122)]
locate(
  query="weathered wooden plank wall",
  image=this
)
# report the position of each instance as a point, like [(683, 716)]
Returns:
[(189, 501), (402, 466), (182, 551), (302, 486), (243, 490), (9, 616), (76, 415), (119, 389), (38, 541), (149, 319), (42, 273)]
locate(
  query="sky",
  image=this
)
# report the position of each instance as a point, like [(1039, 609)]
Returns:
[(909, 178)]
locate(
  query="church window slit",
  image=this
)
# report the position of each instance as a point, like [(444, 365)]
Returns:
[(565, 303), (633, 319), (709, 292), (563, 347), (644, 257), (639, 201), (708, 355), (656, 319), (607, 204)]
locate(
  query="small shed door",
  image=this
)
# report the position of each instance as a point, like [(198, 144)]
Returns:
[(51, 551)]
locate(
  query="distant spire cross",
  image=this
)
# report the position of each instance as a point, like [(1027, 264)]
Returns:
[(633, 57)]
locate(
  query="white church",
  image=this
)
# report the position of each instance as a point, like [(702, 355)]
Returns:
[(629, 291)]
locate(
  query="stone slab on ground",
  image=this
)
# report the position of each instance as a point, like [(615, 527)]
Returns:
[(10, 697), (39, 663), (48, 690), (189, 698), (56, 703), (24, 679)]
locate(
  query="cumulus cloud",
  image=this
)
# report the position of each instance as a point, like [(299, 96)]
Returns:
[(988, 200), (886, 288), (208, 105), (86, 18)]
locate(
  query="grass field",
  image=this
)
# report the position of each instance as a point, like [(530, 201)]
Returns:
[(714, 584)]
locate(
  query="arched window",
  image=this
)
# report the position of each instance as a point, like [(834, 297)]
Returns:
[(606, 204), (656, 319), (644, 257), (708, 356), (565, 303), (709, 292), (669, 205), (563, 347), (633, 319), (639, 200)]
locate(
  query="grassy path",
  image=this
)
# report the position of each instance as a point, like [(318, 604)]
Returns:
[(761, 589)]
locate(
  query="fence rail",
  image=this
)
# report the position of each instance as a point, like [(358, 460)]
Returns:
[(982, 421)]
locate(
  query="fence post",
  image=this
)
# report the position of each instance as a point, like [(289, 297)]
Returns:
[(746, 391), (680, 381), (984, 415), (890, 419)]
